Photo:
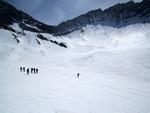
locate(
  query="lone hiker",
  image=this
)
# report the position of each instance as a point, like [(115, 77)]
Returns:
[(78, 75)]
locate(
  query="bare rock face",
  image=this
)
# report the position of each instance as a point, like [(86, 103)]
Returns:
[(10, 15), (118, 15)]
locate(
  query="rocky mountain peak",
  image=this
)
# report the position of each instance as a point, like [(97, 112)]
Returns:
[(119, 15)]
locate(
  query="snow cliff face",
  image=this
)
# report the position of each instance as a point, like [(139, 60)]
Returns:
[(117, 16)]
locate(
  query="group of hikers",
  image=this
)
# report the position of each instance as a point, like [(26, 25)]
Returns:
[(35, 71), (29, 70)]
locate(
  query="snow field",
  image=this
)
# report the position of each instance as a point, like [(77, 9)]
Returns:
[(113, 65)]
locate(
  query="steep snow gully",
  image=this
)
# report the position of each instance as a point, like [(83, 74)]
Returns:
[(114, 67)]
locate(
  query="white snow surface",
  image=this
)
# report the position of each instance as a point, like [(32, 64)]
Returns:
[(114, 67)]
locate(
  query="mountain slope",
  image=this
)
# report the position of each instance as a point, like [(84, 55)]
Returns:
[(113, 65), (10, 15), (117, 16)]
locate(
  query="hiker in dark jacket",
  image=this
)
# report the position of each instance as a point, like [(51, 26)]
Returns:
[(27, 71), (32, 70), (78, 75), (36, 70), (21, 69)]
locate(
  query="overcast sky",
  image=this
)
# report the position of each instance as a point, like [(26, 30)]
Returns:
[(53, 12)]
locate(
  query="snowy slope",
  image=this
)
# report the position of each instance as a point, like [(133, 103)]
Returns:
[(114, 67)]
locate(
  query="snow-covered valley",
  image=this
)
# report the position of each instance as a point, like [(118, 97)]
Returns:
[(114, 67)]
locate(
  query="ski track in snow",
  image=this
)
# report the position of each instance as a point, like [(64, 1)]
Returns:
[(114, 72)]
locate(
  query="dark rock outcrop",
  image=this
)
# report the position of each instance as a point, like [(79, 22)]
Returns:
[(10, 15)]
